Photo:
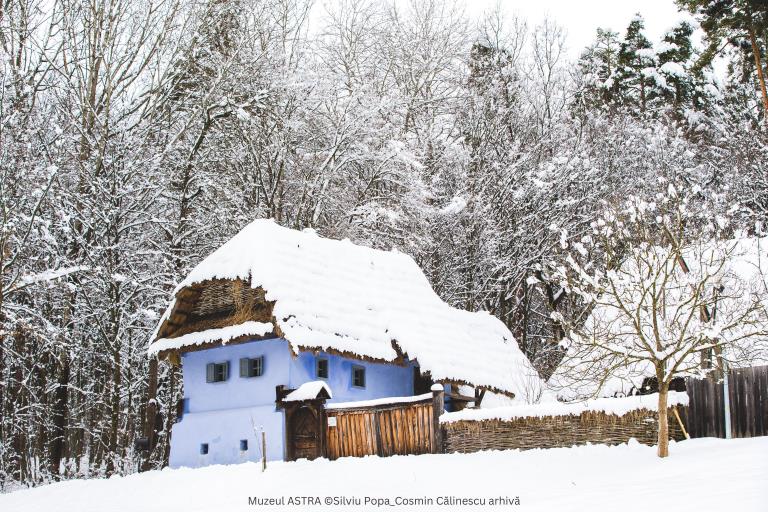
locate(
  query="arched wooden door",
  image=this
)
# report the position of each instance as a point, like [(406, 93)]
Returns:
[(304, 433)]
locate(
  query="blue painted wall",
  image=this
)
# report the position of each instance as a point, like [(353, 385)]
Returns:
[(222, 414), (236, 391), (381, 380)]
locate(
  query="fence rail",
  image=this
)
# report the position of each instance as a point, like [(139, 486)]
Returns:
[(748, 397)]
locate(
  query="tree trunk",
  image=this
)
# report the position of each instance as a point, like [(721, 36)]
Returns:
[(150, 413), (19, 402), (3, 383), (114, 414), (169, 413), (663, 439), (760, 75), (59, 413)]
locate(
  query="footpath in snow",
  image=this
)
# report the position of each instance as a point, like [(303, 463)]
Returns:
[(701, 475)]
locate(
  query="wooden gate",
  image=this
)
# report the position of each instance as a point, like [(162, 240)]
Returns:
[(748, 390), (385, 429), (304, 430)]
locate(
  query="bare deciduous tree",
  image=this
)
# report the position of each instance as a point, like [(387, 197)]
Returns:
[(664, 285)]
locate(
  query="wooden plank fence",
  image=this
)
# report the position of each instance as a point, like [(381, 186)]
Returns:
[(412, 427), (386, 429), (748, 395)]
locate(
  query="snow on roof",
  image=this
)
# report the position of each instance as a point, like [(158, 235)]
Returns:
[(617, 406), (334, 295), (380, 401), (308, 391), (744, 273), (223, 334)]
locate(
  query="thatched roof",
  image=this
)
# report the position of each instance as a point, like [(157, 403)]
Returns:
[(334, 296)]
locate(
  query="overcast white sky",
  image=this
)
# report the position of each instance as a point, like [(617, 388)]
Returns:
[(580, 18)]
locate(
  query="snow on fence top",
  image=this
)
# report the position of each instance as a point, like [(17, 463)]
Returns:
[(334, 295), (617, 406), (393, 400)]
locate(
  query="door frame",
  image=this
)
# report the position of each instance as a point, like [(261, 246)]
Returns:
[(317, 407)]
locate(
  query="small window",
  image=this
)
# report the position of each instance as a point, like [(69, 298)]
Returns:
[(358, 376), (243, 445), (252, 367), (217, 372), (204, 449), (321, 370)]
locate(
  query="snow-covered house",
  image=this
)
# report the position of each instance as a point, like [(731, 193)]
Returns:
[(277, 314)]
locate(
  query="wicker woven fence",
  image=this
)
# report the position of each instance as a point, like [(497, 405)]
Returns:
[(557, 431)]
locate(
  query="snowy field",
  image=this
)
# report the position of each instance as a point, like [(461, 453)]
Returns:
[(701, 475)]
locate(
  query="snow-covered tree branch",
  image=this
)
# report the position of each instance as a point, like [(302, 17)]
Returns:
[(673, 291)]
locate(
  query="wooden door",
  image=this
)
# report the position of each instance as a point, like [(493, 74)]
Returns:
[(304, 433)]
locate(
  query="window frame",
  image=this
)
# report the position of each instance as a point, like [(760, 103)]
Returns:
[(243, 445), (212, 371), (318, 361), (356, 368), (204, 449), (251, 366)]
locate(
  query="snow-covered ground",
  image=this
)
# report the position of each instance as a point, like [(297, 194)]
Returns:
[(700, 475)]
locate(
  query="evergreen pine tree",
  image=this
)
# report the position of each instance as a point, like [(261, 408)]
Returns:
[(635, 74), (597, 66), (743, 24), (674, 56)]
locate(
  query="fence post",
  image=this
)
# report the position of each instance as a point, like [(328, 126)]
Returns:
[(438, 403), (263, 450)]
